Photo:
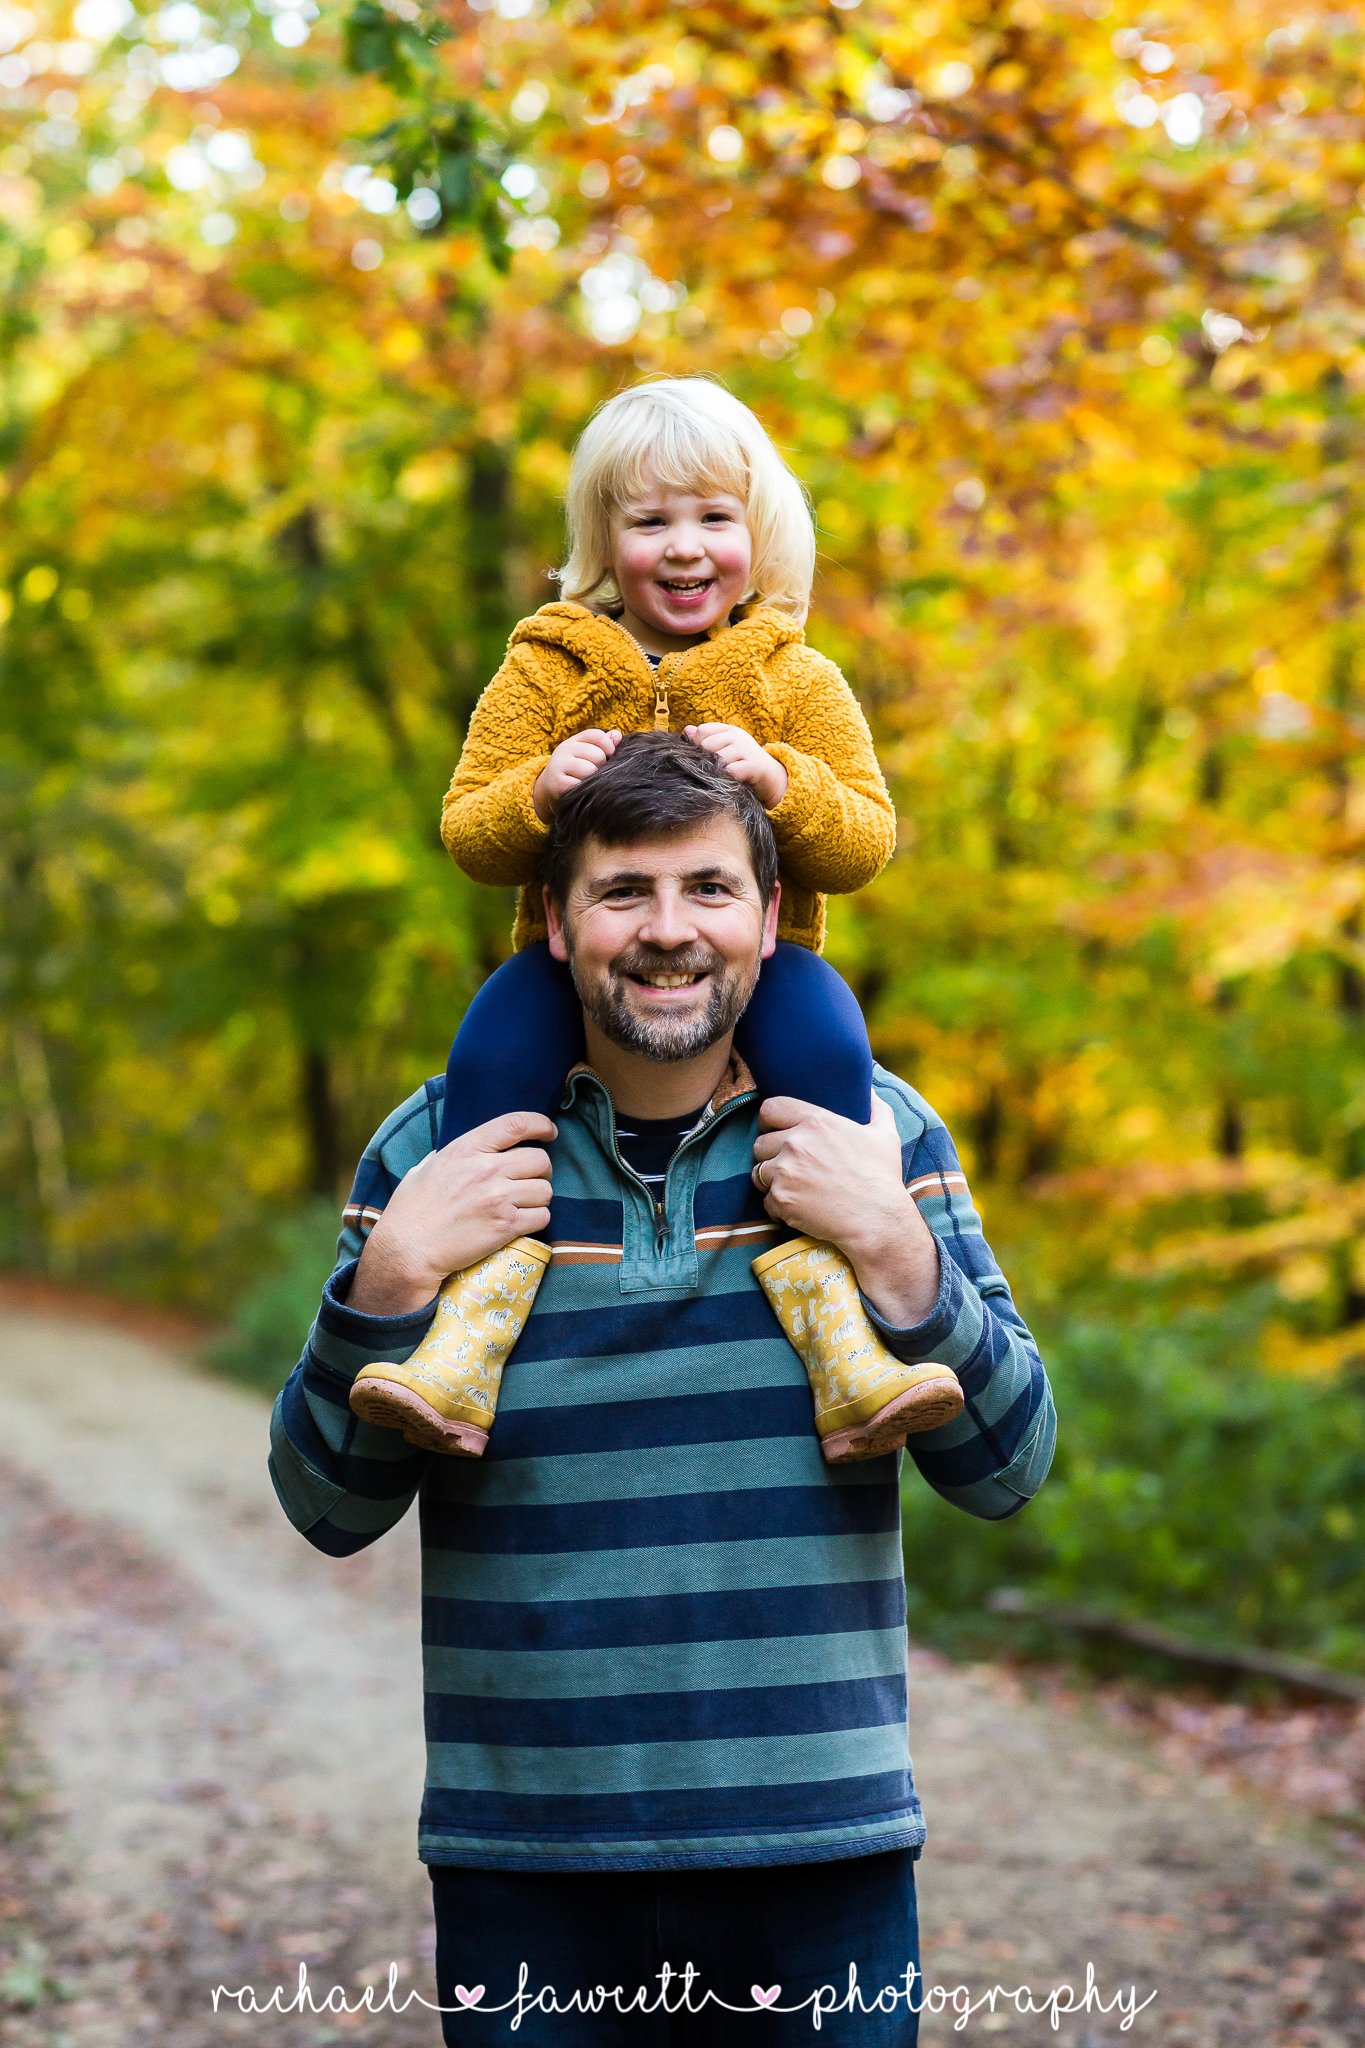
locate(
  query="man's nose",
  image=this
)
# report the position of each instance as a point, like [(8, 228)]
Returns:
[(668, 921)]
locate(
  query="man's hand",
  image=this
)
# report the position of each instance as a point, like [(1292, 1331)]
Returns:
[(744, 758), (572, 762), (841, 1182), (452, 1209)]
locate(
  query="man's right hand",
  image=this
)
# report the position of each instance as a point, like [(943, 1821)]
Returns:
[(454, 1208)]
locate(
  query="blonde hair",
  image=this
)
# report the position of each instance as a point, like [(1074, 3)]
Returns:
[(686, 434)]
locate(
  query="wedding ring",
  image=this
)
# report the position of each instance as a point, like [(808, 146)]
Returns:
[(758, 1175)]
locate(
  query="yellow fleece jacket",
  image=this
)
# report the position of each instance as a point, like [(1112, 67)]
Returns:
[(568, 668)]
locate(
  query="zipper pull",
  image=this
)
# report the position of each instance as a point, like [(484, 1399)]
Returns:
[(660, 1227), (660, 705)]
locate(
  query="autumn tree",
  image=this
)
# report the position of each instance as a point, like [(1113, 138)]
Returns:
[(1056, 311)]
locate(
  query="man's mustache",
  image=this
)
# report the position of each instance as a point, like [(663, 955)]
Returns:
[(666, 963)]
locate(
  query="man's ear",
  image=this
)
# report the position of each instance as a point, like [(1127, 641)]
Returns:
[(554, 924), (770, 923)]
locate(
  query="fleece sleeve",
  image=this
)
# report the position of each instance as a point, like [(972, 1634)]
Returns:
[(993, 1457), (488, 821), (835, 825), (343, 1482)]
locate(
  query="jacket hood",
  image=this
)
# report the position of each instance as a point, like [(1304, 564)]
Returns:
[(604, 645)]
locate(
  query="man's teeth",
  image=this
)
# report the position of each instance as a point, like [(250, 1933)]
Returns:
[(668, 980)]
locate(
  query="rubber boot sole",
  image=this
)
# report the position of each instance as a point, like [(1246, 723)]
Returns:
[(392, 1406), (923, 1407)]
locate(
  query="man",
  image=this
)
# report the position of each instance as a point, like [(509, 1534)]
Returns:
[(664, 1641)]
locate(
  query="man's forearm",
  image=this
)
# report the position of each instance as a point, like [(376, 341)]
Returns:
[(385, 1284), (897, 1265)]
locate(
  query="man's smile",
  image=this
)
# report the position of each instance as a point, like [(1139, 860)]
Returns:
[(660, 991), (665, 983)]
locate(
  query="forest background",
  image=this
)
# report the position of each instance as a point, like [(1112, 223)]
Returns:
[(1057, 310)]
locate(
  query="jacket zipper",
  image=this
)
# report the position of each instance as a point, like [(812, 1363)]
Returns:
[(660, 1208), (661, 1218), (662, 711)]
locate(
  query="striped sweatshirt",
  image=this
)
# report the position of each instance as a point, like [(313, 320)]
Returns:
[(659, 1632)]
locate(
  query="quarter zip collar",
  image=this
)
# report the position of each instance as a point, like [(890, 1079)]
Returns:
[(734, 1085), (658, 1236)]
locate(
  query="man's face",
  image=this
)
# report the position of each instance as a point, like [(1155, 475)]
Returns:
[(664, 938)]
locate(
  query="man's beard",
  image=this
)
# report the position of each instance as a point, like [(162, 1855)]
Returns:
[(663, 1037)]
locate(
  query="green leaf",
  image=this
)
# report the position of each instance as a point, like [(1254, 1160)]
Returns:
[(398, 51), (450, 148)]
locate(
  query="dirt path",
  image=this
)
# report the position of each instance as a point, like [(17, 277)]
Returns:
[(221, 1732)]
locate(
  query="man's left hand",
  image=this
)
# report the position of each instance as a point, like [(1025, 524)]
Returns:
[(841, 1182)]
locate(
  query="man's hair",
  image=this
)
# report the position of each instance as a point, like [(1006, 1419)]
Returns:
[(655, 784)]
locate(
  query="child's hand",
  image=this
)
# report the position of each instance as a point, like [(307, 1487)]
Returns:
[(572, 762), (743, 758)]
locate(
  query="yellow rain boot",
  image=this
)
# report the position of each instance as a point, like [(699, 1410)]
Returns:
[(445, 1396), (866, 1401)]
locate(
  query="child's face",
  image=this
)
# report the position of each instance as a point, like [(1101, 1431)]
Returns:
[(681, 562)]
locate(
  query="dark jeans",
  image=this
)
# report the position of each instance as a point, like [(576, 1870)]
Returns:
[(802, 1034), (796, 1926)]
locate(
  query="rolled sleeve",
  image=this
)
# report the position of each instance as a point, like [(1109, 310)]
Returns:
[(992, 1458), (951, 1332), (343, 1481), (1026, 1472), (345, 1340)]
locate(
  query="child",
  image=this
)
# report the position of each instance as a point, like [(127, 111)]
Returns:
[(691, 556)]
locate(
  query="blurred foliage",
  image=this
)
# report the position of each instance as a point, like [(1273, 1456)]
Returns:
[(1058, 312), (1191, 1487), (274, 1310), (445, 149)]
